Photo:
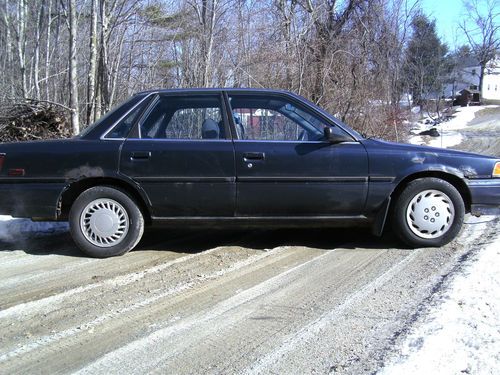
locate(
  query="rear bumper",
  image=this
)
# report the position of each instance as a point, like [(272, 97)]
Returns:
[(30, 199), (485, 196)]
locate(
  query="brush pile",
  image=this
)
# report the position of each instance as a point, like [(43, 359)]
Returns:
[(32, 120)]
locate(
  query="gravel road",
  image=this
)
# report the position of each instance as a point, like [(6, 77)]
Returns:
[(249, 302)]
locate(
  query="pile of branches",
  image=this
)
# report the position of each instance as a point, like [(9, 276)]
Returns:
[(23, 120)]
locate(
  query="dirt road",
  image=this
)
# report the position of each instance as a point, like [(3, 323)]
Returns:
[(253, 302)]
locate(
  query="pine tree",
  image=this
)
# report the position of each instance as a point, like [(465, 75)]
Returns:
[(425, 61)]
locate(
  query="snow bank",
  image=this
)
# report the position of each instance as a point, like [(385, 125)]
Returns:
[(462, 117), (13, 229), (449, 135), (462, 334), (445, 140)]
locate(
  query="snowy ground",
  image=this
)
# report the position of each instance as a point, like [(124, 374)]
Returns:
[(449, 131), (459, 332)]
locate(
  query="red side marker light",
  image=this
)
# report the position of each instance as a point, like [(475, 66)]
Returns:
[(16, 172)]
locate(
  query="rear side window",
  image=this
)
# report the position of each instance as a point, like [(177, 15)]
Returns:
[(122, 129), (183, 117), (112, 116)]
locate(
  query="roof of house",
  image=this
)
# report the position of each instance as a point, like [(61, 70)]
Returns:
[(471, 91), (469, 61)]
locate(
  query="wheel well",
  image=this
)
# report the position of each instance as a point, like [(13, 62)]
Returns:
[(457, 182), (76, 188)]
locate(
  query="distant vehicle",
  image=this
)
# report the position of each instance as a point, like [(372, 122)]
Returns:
[(243, 157)]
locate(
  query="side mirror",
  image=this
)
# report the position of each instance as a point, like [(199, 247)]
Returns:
[(333, 137)]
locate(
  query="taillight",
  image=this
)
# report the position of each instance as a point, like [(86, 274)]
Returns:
[(2, 158)]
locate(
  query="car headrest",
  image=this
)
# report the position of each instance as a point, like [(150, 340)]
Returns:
[(210, 129)]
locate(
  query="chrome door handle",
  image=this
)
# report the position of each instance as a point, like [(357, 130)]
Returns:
[(247, 156), (141, 155)]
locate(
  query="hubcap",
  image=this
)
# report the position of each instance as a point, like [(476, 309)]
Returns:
[(430, 214), (104, 222)]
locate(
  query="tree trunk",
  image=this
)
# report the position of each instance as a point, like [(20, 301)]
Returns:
[(102, 69), (38, 33), (21, 44), (8, 44), (47, 51), (73, 74), (481, 78), (92, 65)]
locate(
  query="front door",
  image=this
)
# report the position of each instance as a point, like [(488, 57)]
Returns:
[(181, 157), (285, 167)]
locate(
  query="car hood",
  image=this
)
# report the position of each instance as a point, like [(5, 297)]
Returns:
[(405, 147)]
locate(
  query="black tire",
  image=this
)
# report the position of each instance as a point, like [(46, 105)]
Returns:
[(424, 200), (108, 209)]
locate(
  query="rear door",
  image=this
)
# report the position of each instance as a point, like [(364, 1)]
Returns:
[(284, 166), (180, 155)]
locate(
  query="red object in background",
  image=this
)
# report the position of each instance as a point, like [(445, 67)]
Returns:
[(16, 172)]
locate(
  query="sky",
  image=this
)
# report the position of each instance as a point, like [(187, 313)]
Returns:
[(448, 14)]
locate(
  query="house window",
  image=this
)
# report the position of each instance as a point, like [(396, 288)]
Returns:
[(473, 72), (488, 87)]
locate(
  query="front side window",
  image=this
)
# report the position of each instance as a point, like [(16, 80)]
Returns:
[(184, 117), (273, 119)]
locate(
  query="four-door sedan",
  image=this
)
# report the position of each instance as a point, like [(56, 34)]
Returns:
[(239, 156)]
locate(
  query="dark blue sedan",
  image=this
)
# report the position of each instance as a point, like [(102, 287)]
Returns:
[(243, 157)]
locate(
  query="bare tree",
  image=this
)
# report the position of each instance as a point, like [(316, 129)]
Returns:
[(482, 31), (92, 63), (343, 54), (21, 44), (73, 64), (8, 62)]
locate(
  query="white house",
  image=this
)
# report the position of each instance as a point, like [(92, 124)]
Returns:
[(467, 77), (491, 80), (464, 77)]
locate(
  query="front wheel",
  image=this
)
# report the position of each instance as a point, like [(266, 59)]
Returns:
[(105, 222), (428, 213)]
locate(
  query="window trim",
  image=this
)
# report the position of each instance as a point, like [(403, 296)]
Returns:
[(135, 133)]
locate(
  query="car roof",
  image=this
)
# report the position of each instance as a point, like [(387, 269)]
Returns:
[(218, 89)]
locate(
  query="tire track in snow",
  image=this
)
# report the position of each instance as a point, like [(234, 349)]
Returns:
[(127, 356), (127, 279), (44, 275), (49, 303), (308, 332)]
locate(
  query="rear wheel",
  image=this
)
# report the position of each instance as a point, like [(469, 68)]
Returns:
[(105, 222), (429, 212)]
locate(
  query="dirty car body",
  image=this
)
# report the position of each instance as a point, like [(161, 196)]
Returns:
[(239, 157)]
